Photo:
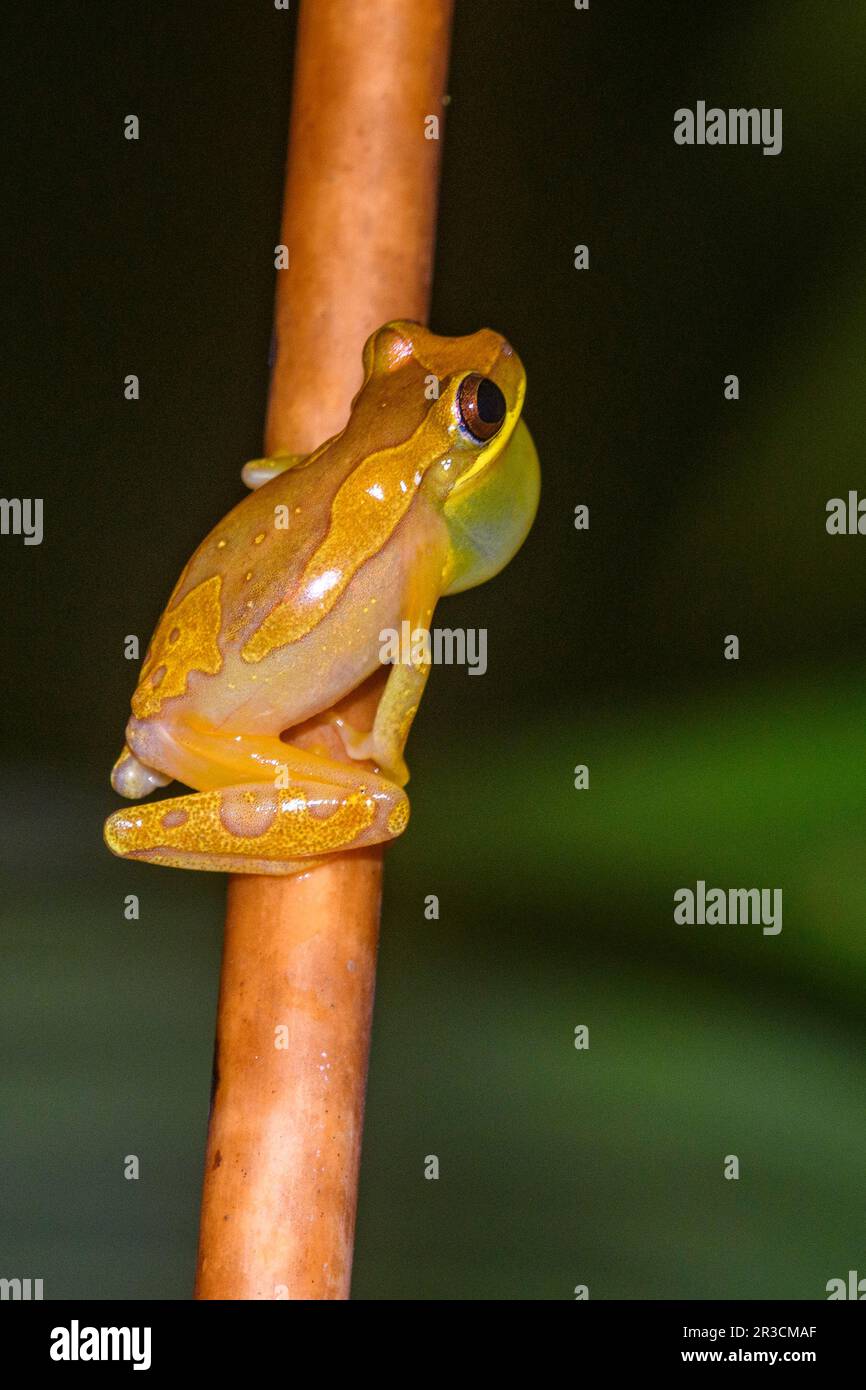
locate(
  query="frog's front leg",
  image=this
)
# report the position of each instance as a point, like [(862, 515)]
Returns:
[(282, 826), (386, 741)]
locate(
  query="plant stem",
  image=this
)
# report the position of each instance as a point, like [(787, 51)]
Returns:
[(283, 1152)]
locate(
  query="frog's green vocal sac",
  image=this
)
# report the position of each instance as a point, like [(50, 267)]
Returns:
[(431, 488)]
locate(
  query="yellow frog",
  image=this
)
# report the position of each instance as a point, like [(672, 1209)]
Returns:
[(280, 614)]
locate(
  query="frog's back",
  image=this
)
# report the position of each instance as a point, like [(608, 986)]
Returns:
[(262, 548)]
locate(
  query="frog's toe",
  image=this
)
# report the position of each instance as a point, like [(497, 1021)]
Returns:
[(134, 779), (257, 472)]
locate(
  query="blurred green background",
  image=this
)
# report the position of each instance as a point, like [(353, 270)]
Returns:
[(558, 1167)]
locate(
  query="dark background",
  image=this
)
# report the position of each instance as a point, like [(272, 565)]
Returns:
[(558, 1167)]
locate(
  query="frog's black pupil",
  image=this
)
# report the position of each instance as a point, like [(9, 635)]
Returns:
[(490, 402)]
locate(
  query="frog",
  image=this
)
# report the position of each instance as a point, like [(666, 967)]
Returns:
[(276, 622)]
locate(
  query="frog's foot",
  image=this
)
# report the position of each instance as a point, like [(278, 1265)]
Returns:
[(259, 827), (134, 779)]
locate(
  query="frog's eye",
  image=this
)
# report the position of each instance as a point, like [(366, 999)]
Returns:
[(481, 405)]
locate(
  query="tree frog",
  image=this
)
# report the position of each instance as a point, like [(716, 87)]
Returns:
[(278, 617)]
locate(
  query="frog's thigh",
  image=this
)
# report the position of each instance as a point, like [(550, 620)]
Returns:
[(261, 828), (207, 758)]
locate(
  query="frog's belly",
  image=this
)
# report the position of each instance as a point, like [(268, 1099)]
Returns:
[(309, 676), (305, 677)]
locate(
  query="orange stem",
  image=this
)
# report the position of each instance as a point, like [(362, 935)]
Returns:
[(284, 1144)]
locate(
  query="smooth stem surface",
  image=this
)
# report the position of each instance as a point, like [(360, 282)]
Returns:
[(283, 1153)]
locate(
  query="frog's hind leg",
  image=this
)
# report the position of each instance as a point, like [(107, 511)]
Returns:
[(133, 779), (263, 827)]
